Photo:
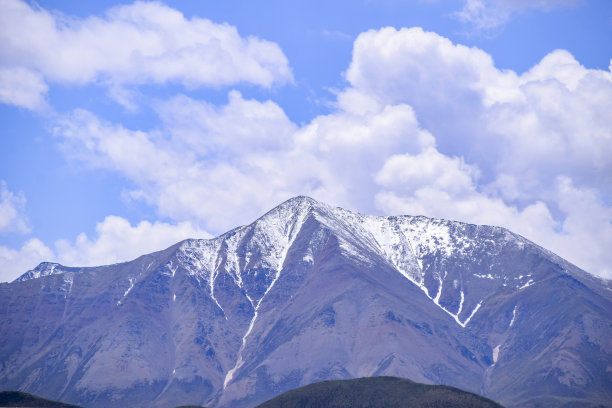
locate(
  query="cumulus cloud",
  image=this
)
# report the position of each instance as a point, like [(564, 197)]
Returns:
[(226, 165), (428, 169), (15, 262), (135, 44), (12, 211), (550, 120), (489, 14), (115, 240), (402, 65), (586, 231), (242, 125), (342, 152), (210, 164)]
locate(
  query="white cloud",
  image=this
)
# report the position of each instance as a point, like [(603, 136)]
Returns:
[(208, 164), (342, 152), (587, 229), (135, 44), (116, 240), (489, 14), (428, 169), (238, 127), (15, 262), (560, 66), (424, 127), (12, 211), (226, 165), (551, 120), (397, 65), (22, 87)]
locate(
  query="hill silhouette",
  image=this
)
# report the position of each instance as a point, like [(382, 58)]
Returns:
[(375, 392), (23, 399)]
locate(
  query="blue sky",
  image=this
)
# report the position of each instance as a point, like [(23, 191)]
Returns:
[(126, 127)]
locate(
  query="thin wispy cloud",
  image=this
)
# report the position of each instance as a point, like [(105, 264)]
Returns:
[(12, 210), (484, 15)]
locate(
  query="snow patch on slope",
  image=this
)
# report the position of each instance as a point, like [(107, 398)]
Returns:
[(43, 269), (404, 242), (496, 354), (283, 234), (471, 314), (513, 317), (526, 285), (128, 290)]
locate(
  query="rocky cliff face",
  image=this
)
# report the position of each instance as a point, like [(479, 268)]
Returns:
[(308, 293)]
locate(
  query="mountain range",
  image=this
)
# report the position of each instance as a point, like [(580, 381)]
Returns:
[(306, 293)]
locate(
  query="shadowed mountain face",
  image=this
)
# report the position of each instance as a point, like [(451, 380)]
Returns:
[(310, 293)]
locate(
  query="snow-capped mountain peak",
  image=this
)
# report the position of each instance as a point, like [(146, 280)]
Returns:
[(426, 251), (43, 269)]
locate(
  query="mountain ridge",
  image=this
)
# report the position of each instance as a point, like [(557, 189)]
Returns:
[(308, 205), (47, 267)]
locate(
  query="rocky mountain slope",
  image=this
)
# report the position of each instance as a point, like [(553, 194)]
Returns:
[(308, 293)]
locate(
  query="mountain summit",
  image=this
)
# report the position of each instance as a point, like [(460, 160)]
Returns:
[(306, 293)]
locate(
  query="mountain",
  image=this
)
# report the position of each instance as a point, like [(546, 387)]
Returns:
[(378, 392), (309, 293)]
